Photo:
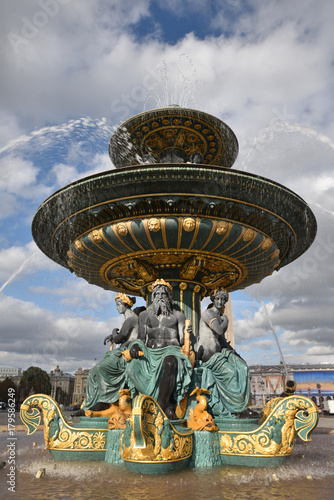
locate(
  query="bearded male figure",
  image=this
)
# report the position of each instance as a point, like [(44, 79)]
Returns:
[(163, 372)]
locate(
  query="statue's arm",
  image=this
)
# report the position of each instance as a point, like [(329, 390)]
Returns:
[(181, 322), (135, 349), (218, 324), (124, 333), (142, 326)]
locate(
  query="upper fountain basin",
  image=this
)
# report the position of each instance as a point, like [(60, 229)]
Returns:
[(173, 135)]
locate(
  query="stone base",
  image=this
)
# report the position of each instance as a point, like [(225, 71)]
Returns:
[(113, 453), (206, 449)]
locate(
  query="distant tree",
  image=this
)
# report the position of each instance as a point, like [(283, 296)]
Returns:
[(34, 380), (4, 386)]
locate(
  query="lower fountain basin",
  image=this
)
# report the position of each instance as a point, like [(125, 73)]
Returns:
[(207, 225)]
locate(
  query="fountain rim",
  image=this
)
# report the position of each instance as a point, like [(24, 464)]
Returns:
[(170, 109), (88, 195), (166, 166)]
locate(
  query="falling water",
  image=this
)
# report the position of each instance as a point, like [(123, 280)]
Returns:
[(75, 143), (279, 126), (276, 338), (182, 92), (18, 270)]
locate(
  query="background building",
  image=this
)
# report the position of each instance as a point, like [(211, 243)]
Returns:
[(313, 381), (62, 386), (14, 374), (80, 386), (267, 382)]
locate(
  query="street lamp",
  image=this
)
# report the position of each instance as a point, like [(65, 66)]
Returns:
[(320, 398), (283, 374), (263, 388)]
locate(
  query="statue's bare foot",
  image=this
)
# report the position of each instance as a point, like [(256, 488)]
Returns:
[(170, 413), (105, 410), (79, 413)]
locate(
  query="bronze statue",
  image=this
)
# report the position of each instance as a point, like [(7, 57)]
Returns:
[(164, 372), (213, 325), (108, 376), (154, 364), (129, 329)]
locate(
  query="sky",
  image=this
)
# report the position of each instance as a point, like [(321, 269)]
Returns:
[(73, 70)]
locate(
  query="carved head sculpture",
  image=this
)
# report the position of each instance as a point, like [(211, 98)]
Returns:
[(154, 224), (188, 224), (162, 302), (124, 302), (122, 229), (219, 297)]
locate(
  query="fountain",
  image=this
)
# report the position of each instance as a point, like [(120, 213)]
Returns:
[(174, 216)]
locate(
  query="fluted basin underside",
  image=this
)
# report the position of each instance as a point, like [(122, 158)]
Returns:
[(206, 225)]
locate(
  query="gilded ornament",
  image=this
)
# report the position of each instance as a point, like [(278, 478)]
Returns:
[(275, 254), (145, 271), (189, 224), (128, 274), (118, 419), (275, 437), (154, 224), (78, 245), (165, 257), (183, 286), (222, 227), (96, 236), (122, 229), (267, 242), (191, 268), (199, 418), (162, 282), (150, 437), (102, 413), (218, 290), (124, 298), (58, 435), (248, 235)]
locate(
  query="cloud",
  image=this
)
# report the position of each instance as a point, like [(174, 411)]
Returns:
[(265, 67), (65, 173), (16, 175), (80, 297), (86, 77), (8, 206), (31, 335)]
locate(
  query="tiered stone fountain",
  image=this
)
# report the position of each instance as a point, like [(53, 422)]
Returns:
[(173, 209)]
